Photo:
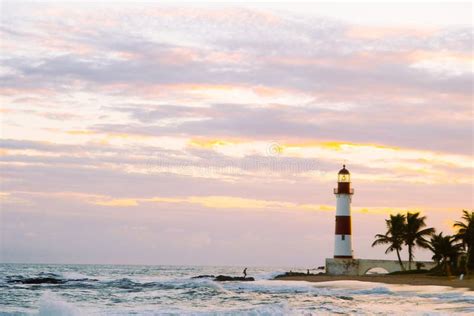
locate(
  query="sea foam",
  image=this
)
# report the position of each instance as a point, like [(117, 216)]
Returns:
[(51, 305)]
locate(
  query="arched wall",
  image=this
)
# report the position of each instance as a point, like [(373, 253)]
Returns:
[(361, 266)]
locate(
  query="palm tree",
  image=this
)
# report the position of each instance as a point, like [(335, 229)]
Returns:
[(393, 237), (414, 234), (465, 233), (444, 250)]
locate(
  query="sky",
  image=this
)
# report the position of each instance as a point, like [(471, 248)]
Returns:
[(212, 134)]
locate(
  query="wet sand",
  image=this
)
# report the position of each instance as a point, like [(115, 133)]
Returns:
[(413, 279)]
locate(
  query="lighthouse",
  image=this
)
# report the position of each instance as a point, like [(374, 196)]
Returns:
[(343, 192)]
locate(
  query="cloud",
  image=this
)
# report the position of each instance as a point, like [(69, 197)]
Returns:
[(382, 91), (371, 32), (162, 70), (233, 159), (211, 202), (246, 50), (390, 124)]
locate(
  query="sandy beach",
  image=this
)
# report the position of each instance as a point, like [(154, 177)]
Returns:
[(413, 279)]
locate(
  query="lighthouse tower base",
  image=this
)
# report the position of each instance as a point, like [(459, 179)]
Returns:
[(336, 266)]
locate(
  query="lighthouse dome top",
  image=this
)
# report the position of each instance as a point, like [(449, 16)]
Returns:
[(343, 170)]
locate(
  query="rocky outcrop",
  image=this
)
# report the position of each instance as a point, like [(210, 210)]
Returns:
[(203, 276), (221, 278), (44, 278), (292, 274), (40, 280)]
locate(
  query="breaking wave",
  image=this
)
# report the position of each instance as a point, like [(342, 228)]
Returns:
[(51, 305)]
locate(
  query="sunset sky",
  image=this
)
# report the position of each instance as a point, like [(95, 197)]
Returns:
[(213, 134)]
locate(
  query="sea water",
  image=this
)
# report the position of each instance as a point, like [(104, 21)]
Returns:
[(172, 290)]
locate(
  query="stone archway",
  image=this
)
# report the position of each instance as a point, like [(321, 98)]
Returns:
[(376, 270), (388, 265)]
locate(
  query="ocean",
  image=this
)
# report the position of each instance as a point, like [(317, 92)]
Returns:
[(171, 290)]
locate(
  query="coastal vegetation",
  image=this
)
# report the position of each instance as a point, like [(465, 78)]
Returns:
[(452, 253), (415, 234), (394, 236), (465, 233), (445, 250)]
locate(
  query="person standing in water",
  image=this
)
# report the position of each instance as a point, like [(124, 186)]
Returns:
[(245, 272)]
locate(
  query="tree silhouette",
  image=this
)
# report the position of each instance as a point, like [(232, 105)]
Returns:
[(393, 237), (465, 233), (444, 250), (414, 234)]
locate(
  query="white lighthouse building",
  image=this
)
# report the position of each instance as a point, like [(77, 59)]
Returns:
[(343, 192)]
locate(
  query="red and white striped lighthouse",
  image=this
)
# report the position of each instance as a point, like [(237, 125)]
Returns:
[(343, 192)]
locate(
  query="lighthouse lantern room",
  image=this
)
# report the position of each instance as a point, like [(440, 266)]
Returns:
[(343, 192)]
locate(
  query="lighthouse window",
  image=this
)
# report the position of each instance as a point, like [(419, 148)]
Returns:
[(343, 237), (343, 178)]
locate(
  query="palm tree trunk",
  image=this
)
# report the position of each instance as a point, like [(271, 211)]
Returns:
[(400, 260), (410, 257), (447, 266), (468, 257)]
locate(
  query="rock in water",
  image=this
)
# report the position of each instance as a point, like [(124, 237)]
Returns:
[(45, 280), (231, 278), (292, 274), (204, 276)]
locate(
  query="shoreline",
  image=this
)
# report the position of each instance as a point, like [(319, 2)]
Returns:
[(411, 279)]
